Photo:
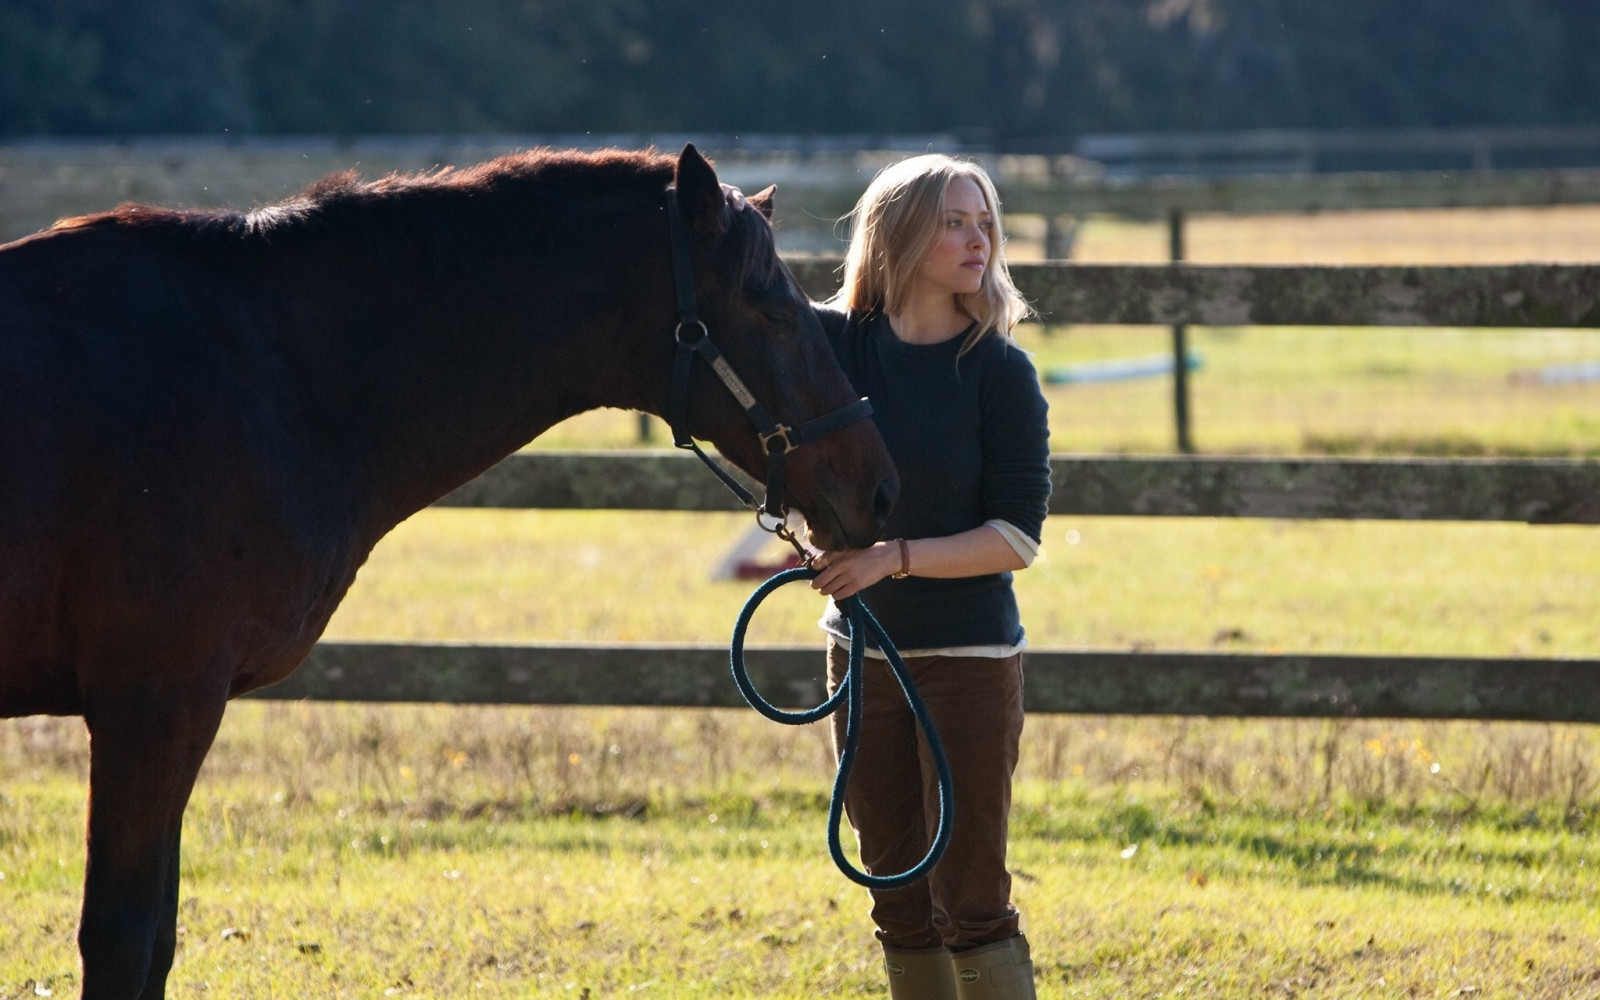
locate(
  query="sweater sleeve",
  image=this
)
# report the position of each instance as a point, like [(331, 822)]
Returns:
[(1016, 444)]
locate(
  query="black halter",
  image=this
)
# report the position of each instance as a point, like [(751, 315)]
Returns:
[(694, 339)]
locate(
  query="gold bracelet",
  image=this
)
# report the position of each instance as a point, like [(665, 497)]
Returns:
[(905, 560)]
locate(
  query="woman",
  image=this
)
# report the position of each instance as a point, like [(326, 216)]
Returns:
[(923, 327)]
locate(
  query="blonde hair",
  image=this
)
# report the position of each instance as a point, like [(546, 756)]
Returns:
[(895, 225)]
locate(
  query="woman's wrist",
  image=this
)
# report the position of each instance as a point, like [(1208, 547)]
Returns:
[(902, 554)]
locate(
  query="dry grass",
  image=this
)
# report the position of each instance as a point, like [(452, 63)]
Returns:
[(1565, 234), (434, 851), (429, 760)]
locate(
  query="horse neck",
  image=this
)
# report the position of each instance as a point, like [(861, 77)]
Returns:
[(438, 376)]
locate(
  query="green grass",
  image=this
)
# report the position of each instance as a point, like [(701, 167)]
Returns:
[(1267, 390), (1130, 886), (1116, 583), (336, 849), (1294, 390), (1339, 391)]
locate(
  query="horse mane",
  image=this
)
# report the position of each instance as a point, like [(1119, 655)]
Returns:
[(462, 213)]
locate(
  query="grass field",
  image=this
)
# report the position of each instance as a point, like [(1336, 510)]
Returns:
[(359, 851), (339, 850), (1118, 583)]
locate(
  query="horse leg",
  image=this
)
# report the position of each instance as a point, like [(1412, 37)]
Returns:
[(146, 747), (166, 942)]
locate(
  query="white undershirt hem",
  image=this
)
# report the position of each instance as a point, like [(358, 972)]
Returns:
[(983, 652), (1025, 547)]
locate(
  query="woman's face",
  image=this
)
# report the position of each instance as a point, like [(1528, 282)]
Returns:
[(960, 254)]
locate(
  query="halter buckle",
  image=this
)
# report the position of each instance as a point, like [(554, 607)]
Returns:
[(781, 433), (677, 332)]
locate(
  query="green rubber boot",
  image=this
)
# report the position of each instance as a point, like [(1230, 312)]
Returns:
[(919, 974), (999, 971)]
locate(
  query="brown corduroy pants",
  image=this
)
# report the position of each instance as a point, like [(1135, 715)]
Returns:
[(892, 800)]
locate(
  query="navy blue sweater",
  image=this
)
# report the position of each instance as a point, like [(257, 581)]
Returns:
[(971, 440)]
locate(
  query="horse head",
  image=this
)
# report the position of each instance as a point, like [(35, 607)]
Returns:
[(842, 479)]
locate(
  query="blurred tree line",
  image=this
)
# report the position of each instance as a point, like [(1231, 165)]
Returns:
[(1001, 71)]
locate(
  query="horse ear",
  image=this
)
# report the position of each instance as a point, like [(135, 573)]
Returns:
[(699, 193), (762, 200)]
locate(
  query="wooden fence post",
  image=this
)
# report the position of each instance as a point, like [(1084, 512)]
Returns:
[(1180, 346)]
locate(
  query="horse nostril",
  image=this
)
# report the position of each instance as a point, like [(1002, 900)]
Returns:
[(883, 500)]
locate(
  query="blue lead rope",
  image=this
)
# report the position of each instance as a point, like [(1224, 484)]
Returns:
[(861, 623)]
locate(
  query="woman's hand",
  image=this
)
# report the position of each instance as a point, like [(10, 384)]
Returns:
[(977, 552), (846, 572)]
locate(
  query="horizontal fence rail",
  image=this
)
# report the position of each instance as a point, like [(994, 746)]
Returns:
[(1083, 682), (1531, 295), (1542, 491)]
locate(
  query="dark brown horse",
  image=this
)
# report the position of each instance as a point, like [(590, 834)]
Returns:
[(208, 419)]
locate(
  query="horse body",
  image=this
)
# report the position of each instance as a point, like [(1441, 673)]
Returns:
[(144, 528), (207, 421)]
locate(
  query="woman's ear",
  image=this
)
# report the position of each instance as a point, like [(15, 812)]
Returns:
[(700, 196)]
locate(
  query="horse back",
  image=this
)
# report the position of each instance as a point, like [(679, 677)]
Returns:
[(160, 480)]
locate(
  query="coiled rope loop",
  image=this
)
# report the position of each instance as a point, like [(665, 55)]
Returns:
[(861, 623)]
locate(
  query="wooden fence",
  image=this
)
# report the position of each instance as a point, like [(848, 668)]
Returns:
[(1094, 681)]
